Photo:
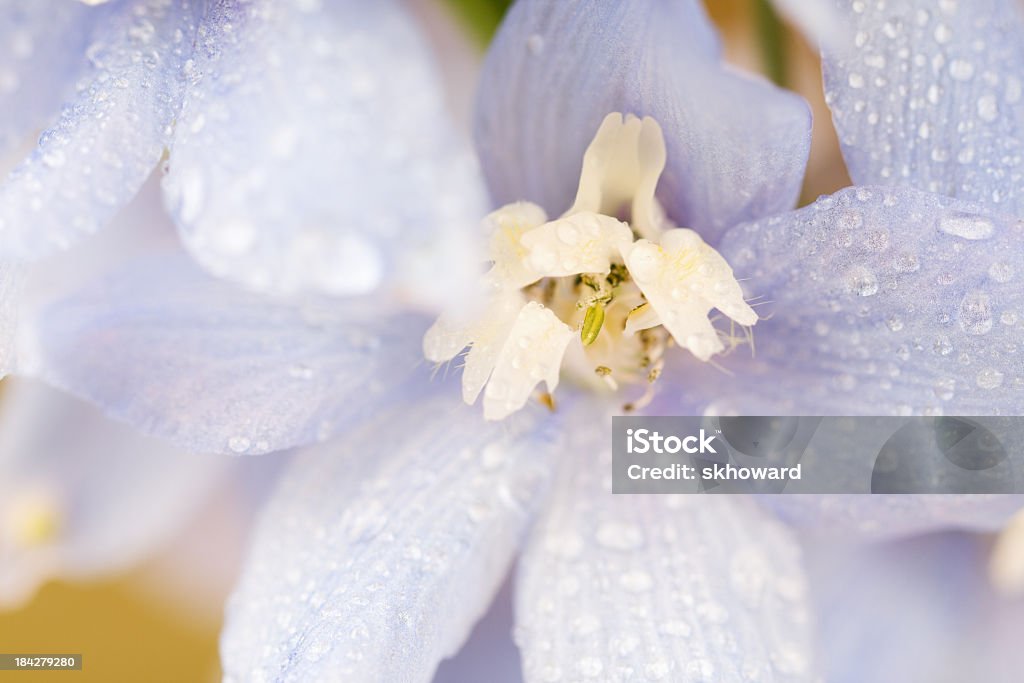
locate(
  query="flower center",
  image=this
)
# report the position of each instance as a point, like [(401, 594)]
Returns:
[(588, 293)]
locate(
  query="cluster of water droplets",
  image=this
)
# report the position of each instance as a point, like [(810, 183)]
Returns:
[(294, 134), (114, 125), (649, 589), (934, 95), (375, 557), (926, 322)]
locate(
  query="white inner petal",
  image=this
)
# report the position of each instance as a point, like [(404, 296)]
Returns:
[(581, 243), (621, 167), (507, 227), (683, 279), (484, 335), (532, 353)]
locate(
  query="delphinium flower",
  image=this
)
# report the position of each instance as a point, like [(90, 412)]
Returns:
[(381, 548)]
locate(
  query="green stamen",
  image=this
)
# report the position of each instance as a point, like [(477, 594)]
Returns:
[(592, 323)]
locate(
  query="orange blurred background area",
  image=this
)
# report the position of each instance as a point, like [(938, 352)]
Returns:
[(121, 634)]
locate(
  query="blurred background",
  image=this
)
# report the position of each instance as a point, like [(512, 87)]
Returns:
[(157, 617)]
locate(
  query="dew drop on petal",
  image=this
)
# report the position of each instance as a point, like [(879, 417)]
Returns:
[(967, 226), (944, 388), (989, 378), (239, 444), (620, 536), (862, 281), (975, 313), (1001, 272)]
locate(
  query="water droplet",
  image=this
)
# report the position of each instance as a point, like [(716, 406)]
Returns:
[(492, 456), (676, 627), (551, 673), (54, 158), (943, 346), (636, 581), (585, 624), (975, 313), (894, 323), (944, 388), (568, 233), (988, 108), (300, 371), (906, 263), (845, 382), (656, 670), (700, 671), (712, 613), (961, 70), (967, 226), (856, 80), (1001, 271), (238, 444), (989, 378), (535, 44), (862, 281), (590, 667), (620, 536)]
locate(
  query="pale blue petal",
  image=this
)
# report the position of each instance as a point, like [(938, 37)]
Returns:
[(931, 95), (42, 47), (11, 278), (737, 146), (378, 552), (182, 355), (110, 133), (915, 612), (489, 654), (314, 152), (102, 495), (673, 588), (882, 301)]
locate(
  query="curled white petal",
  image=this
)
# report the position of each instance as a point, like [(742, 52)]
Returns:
[(683, 279), (621, 167), (531, 354), (580, 243), (485, 335), (507, 226)]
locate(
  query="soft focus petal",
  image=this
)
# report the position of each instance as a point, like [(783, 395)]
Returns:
[(109, 135), (140, 230), (489, 654), (914, 612), (736, 145), (314, 152), (875, 517), (820, 20), (882, 301), (930, 95), (41, 49), (656, 587), (378, 553), (90, 497), (10, 290), (184, 356)]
